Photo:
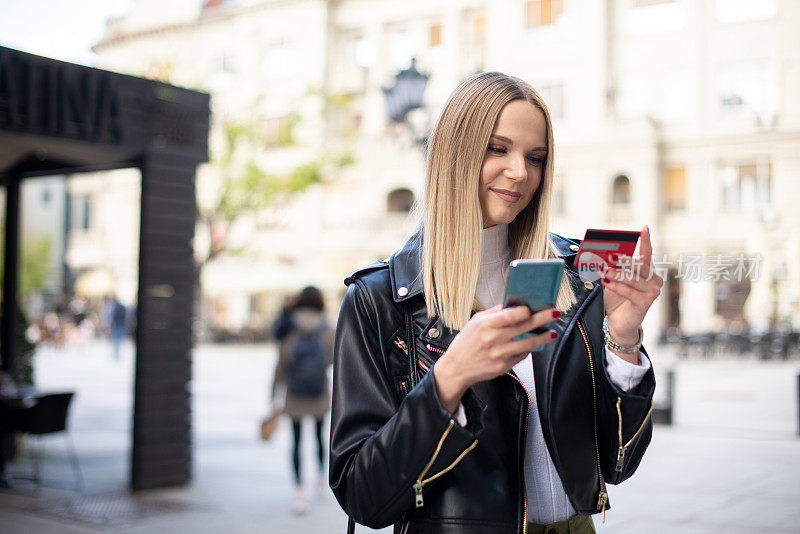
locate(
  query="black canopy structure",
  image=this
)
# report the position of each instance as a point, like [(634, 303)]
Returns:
[(61, 118)]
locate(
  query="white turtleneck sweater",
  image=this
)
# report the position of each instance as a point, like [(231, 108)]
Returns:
[(547, 500)]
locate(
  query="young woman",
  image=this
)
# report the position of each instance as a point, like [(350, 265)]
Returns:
[(300, 385), (441, 421)]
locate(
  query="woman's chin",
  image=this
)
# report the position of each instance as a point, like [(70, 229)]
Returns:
[(499, 218)]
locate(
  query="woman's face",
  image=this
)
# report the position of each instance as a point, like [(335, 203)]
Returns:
[(514, 162)]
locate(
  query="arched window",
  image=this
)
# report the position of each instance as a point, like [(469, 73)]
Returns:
[(400, 201), (621, 191)]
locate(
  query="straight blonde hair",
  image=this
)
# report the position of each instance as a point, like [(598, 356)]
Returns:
[(451, 218)]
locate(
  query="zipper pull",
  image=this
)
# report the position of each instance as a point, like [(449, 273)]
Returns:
[(401, 345), (620, 459), (602, 501), (418, 494)]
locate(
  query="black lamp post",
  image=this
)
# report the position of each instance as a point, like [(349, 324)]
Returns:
[(405, 95)]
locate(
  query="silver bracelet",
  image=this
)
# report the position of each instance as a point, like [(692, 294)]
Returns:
[(616, 347)]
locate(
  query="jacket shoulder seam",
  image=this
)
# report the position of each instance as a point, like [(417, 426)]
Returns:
[(376, 266)]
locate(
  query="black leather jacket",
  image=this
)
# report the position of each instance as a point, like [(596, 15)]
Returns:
[(397, 456)]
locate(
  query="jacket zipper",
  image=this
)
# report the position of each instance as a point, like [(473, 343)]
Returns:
[(624, 448), (524, 442), (602, 497), (401, 345), (525, 438), (421, 480), (434, 349)]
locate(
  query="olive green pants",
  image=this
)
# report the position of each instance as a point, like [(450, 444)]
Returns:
[(577, 524)]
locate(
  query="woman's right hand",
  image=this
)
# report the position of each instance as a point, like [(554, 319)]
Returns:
[(485, 348)]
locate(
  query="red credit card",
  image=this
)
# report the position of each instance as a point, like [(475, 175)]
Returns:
[(600, 246)]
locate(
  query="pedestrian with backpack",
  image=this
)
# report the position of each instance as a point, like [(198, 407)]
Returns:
[(301, 380)]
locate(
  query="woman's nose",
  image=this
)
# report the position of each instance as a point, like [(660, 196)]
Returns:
[(516, 169)]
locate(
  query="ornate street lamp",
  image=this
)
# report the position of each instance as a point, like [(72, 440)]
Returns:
[(407, 94)]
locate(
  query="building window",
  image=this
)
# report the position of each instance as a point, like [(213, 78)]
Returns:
[(559, 202), (730, 296), (227, 63), (473, 42), (676, 96), (81, 212), (749, 87), (400, 201), (280, 60), (542, 12), (435, 35), (645, 17), (479, 27), (675, 188), (553, 95), (732, 11), (279, 131), (746, 186), (401, 48), (355, 56), (621, 190), (633, 97)]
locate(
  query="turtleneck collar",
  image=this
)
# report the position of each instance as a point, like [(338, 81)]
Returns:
[(495, 244)]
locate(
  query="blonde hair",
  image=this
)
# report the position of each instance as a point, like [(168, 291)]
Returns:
[(451, 218)]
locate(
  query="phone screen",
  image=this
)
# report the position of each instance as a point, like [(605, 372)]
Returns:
[(534, 283)]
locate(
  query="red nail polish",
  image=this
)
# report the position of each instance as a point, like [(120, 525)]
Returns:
[(606, 280), (553, 334), (556, 314)]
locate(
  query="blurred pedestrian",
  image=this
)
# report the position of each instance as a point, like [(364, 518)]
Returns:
[(118, 325), (283, 324), (301, 384)]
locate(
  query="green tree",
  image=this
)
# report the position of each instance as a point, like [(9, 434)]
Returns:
[(34, 263), (33, 272), (247, 187)]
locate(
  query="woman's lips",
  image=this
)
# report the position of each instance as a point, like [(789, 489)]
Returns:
[(504, 194)]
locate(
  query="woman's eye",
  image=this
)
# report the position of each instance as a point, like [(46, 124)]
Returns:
[(536, 160), (497, 149)]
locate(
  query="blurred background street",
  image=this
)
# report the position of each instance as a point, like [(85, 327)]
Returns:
[(730, 463)]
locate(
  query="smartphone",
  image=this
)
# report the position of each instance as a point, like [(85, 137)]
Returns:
[(535, 284)]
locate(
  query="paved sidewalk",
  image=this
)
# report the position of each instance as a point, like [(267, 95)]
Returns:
[(731, 463)]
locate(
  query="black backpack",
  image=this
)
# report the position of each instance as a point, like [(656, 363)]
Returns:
[(307, 372)]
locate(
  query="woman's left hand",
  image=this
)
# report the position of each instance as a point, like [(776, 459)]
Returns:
[(629, 293)]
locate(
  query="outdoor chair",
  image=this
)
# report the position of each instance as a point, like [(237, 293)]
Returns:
[(47, 416)]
